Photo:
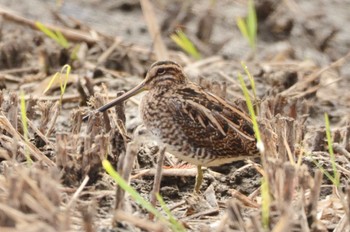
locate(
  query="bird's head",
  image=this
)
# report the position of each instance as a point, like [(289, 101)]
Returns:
[(160, 74)]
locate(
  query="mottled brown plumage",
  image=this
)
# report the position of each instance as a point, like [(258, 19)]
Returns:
[(195, 125)]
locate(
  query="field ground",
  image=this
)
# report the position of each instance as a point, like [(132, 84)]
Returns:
[(301, 69)]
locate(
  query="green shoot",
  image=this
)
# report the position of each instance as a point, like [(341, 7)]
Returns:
[(25, 127), (260, 144), (252, 83), (251, 79), (249, 25), (55, 35), (133, 193), (63, 81), (335, 178), (266, 201), (74, 54), (185, 43), (264, 181), (175, 225), (331, 152), (324, 171)]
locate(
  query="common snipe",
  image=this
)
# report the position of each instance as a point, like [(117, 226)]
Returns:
[(195, 125)]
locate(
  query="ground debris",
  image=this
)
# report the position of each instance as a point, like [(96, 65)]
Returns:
[(51, 173)]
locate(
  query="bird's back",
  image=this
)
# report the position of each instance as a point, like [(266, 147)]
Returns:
[(198, 126)]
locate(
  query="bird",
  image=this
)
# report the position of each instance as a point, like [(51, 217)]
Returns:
[(192, 123)]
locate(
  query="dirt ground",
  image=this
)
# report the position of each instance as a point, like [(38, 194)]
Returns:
[(51, 174)]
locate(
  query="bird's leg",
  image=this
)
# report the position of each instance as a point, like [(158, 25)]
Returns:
[(199, 179)]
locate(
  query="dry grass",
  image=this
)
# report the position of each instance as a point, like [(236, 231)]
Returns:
[(66, 188)]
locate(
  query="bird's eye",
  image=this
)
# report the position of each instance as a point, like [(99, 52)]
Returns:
[(160, 71)]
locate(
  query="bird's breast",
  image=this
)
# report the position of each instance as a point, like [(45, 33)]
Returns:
[(155, 113)]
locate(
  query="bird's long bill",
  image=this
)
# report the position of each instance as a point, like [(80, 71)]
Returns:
[(123, 97)]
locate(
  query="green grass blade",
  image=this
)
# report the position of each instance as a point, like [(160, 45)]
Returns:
[(63, 84), (265, 204), (57, 36), (324, 171), (185, 44), (62, 40), (175, 225), (330, 150), (242, 27), (172, 222), (251, 79), (46, 31), (260, 144), (63, 81), (265, 208), (248, 26), (133, 193), (74, 53), (51, 82), (25, 127), (252, 23)]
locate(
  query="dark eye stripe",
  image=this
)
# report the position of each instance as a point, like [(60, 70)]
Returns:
[(161, 71)]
